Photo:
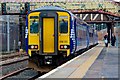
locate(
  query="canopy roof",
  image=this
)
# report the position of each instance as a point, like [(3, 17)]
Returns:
[(55, 0)]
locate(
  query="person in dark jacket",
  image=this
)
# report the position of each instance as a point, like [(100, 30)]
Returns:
[(113, 40), (106, 40)]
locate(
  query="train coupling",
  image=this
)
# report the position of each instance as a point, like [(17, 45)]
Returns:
[(48, 60)]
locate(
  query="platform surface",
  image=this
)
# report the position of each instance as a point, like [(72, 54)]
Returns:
[(106, 65), (98, 62)]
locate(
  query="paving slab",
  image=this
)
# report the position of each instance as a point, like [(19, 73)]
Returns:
[(106, 65), (76, 68)]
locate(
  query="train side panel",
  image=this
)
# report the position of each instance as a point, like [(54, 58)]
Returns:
[(73, 39), (33, 33), (81, 34)]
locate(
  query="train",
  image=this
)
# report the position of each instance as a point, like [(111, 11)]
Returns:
[(54, 34)]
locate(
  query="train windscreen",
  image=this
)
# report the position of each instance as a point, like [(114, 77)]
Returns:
[(63, 26), (34, 24)]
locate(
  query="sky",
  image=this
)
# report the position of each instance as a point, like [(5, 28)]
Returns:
[(117, 0)]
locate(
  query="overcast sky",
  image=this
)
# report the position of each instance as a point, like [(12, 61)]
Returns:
[(117, 0)]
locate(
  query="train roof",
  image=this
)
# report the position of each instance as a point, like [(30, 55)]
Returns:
[(57, 8), (50, 8)]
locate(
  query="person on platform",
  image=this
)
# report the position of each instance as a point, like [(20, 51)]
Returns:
[(113, 40), (106, 40)]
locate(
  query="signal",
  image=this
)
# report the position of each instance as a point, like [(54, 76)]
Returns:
[(22, 9), (27, 7), (3, 5)]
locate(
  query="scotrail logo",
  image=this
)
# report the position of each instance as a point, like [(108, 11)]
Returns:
[(72, 36), (26, 32)]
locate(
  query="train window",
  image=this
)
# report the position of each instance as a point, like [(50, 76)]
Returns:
[(63, 26), (34, 26), (33, 17)]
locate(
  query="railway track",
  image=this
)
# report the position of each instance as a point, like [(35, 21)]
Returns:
[(12, 61), (25, 73), (9, 66), (10, 56), (13, 73), (18, 69)]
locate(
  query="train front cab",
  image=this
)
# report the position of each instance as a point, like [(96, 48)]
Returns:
[(49, 41)]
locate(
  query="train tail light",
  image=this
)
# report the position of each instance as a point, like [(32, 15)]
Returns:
[(61, 46), (36, 47)]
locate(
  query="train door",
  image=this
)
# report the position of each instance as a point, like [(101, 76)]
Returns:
[(48, 33)]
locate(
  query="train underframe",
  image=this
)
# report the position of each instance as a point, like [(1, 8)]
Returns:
[(45, 63), (44, 60)]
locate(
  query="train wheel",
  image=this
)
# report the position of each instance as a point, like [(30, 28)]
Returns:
[(40, 63), (59, 60), (57, 63)]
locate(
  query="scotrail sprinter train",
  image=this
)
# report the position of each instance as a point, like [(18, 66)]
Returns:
[(53, 34)]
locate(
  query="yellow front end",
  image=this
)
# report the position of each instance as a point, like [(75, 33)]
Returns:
[(64, 36), (33, 33)]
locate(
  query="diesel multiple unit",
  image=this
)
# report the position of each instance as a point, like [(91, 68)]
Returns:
[(54, 34)]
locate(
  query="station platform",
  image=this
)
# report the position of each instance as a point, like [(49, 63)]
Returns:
[(98, 62)]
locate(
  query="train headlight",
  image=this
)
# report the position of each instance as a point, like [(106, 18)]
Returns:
[(32, 47), (65, 47)]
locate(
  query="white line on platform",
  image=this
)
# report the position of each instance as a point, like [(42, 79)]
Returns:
[(49, 73), (54, 70)]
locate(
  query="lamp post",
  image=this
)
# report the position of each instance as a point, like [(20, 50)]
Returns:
[(102, 26), (8, 33), (117, 35)]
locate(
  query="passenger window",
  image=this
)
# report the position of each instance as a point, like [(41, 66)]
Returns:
[(34, 26), (63, 26)]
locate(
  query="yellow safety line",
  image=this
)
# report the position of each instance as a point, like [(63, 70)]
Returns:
[(81, 71)]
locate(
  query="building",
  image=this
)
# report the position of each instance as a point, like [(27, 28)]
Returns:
[(14, 32)]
